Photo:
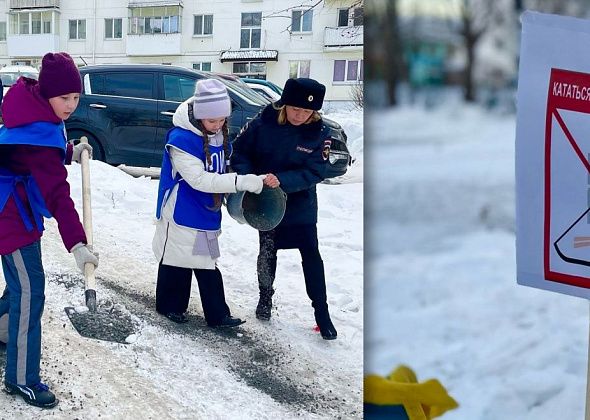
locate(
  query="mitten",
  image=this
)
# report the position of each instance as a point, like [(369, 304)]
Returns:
[(83, 255), (250, 182), (77, 151)]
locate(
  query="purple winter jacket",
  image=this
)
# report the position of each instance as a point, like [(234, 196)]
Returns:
[(22, 105)]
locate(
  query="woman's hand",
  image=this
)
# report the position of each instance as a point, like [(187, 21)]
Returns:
[(271, 181)]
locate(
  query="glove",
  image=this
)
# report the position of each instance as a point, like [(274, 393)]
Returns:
[(250, 182), (77, 151), (83, 255)]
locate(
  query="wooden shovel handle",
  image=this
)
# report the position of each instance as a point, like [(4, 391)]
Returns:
[(87, 218), (86, 201)]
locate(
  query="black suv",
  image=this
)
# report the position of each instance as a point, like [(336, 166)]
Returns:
[(125, 111)]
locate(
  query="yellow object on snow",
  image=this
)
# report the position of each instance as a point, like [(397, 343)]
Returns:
[(420, 401)]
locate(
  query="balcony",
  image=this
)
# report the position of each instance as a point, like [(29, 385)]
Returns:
[(31, 45), (343, 38), (34, 4), (151, 3), (154, 44)]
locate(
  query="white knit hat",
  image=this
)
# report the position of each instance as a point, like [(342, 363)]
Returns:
[(211, 100)]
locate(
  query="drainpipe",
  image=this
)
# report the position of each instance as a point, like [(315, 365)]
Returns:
[(94, 36)]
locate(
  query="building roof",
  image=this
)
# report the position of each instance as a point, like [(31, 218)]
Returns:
[(258, 55)]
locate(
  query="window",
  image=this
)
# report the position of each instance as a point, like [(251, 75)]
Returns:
[(113, 28), (132, 85), (299, 69), (78, 29), (202, 66), (250, 69), (27, 23), (2, 31), (203, 25), (154, 20), (46, 18), (350, 16), (348, 70), (178, 88), (36, 23), (250, 33), (301, 20)]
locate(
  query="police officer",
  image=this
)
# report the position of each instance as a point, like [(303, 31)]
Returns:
[(285, 143)]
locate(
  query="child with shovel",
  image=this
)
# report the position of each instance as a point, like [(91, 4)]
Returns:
[(33, 185), (192, 184)]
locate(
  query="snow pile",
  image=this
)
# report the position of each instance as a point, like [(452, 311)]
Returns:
[(280, 369), (441, 293)]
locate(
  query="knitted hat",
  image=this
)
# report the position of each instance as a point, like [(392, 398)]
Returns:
[(303, 93), (211, 100), (59, 75)]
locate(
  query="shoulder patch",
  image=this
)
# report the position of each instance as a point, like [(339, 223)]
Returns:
[(326, 149)]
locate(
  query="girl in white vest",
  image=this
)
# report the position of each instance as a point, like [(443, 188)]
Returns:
[(192, 184)]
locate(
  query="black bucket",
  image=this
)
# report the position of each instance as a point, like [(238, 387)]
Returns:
[(262, 211)]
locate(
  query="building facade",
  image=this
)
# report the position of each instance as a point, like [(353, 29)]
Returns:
[(270, 39)]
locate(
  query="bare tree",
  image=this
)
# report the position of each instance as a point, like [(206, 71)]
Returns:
[(478, 16), (357, 95), (383, 48), (286, 13), (475, 17)]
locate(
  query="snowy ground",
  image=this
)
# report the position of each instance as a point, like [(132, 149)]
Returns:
[(281, 369), (440, 285)]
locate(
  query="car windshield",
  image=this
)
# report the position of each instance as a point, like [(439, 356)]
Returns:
[(247, 93), (8, 79), (275, 87)]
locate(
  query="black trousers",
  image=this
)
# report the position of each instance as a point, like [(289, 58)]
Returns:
[(173, 291), (305, 239)]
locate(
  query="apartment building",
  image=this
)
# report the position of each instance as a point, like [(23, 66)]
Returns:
[(270, 39)]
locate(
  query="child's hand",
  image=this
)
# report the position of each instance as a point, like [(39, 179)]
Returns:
[(249, 182), (83, 255), (77, 151)]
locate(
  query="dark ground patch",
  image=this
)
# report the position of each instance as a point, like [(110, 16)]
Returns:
[(68, 281), (261, 361), (259, 366)]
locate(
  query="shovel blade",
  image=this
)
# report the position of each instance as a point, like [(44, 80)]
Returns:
[(102, 325)]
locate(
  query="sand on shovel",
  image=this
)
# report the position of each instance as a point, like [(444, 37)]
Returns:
[(108, 323)]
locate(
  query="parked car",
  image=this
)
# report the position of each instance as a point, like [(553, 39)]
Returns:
[(125, 111), (10, 74), (265, 91), (262, 82)]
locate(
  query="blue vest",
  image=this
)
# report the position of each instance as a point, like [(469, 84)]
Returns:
[(193, 208), (35, 134)]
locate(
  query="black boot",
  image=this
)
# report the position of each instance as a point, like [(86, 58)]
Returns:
[(38, 395), (228, 321), (264, 304), (315, 285), (177, 317), (324, 322)]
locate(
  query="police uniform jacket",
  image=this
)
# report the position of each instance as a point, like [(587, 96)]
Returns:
[(296, 155)]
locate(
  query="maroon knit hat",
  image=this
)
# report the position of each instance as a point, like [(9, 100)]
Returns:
[(59, 75)]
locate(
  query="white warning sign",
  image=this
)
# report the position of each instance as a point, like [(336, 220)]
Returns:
[(553, 155)]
